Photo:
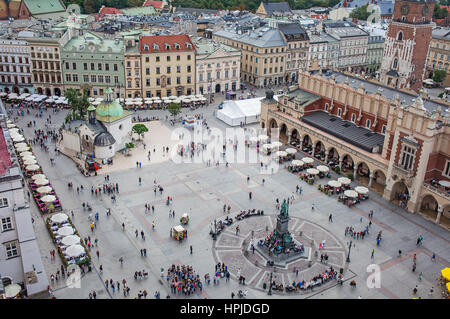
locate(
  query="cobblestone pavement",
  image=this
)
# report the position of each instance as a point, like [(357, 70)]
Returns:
[(201, 191)]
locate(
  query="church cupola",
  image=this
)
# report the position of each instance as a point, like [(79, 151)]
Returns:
[(108, 98)]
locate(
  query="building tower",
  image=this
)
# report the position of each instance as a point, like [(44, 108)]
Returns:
[(406, 44)]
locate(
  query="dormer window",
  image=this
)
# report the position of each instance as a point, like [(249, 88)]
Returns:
[(177, 46), (155, 46), (188, 45), (167, 46), (146, 47)]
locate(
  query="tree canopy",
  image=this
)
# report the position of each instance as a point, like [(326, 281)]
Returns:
[(174, 109), (440, 13), (439, 76), (79, 103), (139, 129), (360, 13)]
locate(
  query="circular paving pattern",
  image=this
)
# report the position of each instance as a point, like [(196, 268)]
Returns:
[(234, 250)]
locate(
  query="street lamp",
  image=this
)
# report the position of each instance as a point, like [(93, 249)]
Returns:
[(349, 249), (270, 285)]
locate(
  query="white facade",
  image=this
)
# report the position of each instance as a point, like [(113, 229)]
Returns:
[(121, 131)]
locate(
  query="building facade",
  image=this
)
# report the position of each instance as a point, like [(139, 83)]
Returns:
[(353, 45), (297, 50), (217, 67), (323, 49), (439, 54), (45, 56), (393, 142), (15, 66), (406, 45), (94, 63), (264, 52), (133, 76), (168, 65), (374, 53)]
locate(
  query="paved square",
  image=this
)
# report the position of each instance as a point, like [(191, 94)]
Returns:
[(201, 191)]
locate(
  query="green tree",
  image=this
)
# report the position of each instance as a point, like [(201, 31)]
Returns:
[(89, 6), (360, 13), (79, 102), (139, 129), (135, 3), (174, 109), (439, 13), (439, 76)]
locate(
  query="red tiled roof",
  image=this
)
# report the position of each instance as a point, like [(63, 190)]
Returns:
[(109, 10), (154, 4), (5, 158), (162, 40)]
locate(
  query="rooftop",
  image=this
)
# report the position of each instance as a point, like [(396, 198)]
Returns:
[(302, 97), (346, 131), (165, 43), (277, 7), (262, 37)]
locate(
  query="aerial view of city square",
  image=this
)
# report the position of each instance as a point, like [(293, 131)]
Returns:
[(239, 150)]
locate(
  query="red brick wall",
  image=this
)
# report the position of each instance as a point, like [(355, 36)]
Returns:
[(390, 145), (415, 12), (399, 150), (436, 164)]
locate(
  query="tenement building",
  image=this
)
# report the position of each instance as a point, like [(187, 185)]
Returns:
[(15, 66), (264, 52), (217, 67), (439, 54), (394, 142), (168, 65)]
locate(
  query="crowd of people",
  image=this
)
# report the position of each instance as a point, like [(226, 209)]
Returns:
[(183, 280)]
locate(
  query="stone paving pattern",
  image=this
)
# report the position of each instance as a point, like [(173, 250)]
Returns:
[(202, 191)]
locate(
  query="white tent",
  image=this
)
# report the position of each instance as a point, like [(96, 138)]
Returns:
[(235, 112)]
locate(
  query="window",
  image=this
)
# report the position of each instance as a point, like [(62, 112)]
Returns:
[(100, 79), (383, 129), (11, 249), (368, 124), (189, 57), (353, 117), (92, 66), (147, 82), (85, 78), (157, 59), (106, 67), (158, 71), (189, 68), (188, 79), (178, 58), (115, 67), (93, 78), (68, 77), (147, 71), (339, 112), (85, 66), (168, 58), (395, 64), (3, 202), (446, 171), (168, 70), (169, 81), (75, 77), (116, 79), (407, 157), (178, 69), (6, 223), (99, 66), (178, 80), (158, 81)]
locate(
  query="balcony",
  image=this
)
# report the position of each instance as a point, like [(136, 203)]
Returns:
[(407, 175), (438, 190)]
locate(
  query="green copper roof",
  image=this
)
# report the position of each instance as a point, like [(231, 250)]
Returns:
[(47, 6), (109, 109)]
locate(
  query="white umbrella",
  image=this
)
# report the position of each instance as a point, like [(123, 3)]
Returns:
[(70, 240), (26, 153), (44, 189), (28, 158), (148, 101), (48, 198), (254, 139), (3, 94), (362, 190), (173, 97), (20, 145), (12, 290), (38, 176), (99, 99), (138, 103), (129, 103), (59, 218), (307, 160), (30, 162), (263, 137), (444, 183), (268, 146), (277, 144), (75, 251), (33, 167), (96, 103), (312, 171), (351, 193), (157, 101), (65, 231), (12, 95), (281, 154), (11, 125), (323, 168), (186, 100), (14, 130), (41, 182), (49, 100), (91, 99), (291, 150), (25, 94), (344, 180), (18, 138), (334, 184), (297, 163), (22, 148)]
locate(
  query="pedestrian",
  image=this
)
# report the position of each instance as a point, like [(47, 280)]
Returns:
[(140, 181), (420, 276), (232, 295), (250, 195), (431, 291), (330, 219), (98, 254), (190, 249), (415, 290), (373, 253), (433, 258)]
